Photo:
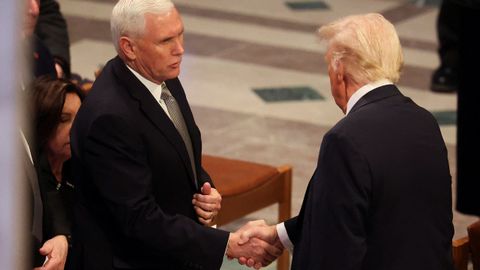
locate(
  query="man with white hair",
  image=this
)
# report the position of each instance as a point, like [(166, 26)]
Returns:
[(143, 196), (380, 197)]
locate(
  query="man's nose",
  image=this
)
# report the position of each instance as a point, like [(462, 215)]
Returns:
[(179, 50)]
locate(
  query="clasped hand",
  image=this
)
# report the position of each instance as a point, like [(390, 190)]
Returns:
[(207, 204), (255, 244)]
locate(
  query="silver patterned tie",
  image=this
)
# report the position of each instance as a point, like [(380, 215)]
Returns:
[(177, 119)]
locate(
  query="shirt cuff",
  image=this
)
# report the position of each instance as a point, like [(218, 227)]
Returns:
[(283, 235)]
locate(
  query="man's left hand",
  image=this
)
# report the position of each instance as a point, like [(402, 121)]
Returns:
[(207, 204)]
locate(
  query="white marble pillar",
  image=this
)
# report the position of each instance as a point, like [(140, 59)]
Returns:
[(13, 229)]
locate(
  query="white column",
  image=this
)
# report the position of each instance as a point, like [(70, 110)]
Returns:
[(13, 230)]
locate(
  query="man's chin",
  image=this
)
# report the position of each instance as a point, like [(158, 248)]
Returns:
[(174, 73)]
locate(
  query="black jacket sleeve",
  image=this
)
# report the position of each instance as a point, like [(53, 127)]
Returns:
[(52, 30)]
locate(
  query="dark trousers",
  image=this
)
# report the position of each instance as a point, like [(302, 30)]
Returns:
[(468, 140), (448, 27)]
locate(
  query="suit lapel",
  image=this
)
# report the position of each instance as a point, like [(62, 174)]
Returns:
[(152, 111)]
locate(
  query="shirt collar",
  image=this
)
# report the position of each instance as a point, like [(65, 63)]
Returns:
[(362, 91), (155, 89)]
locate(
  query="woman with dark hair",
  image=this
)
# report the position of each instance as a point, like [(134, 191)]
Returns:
[(55, 104)]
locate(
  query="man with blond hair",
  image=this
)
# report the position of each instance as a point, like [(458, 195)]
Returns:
[(380, 197)]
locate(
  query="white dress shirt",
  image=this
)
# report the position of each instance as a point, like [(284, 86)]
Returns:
[(155, 89), (362, 91)]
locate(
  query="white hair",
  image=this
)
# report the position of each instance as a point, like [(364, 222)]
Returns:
[(128, 17), (367, 45)]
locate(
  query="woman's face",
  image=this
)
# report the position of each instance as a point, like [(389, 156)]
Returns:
[(59, 144)]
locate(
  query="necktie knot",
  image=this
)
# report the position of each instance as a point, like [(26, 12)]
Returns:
[(165, 95)]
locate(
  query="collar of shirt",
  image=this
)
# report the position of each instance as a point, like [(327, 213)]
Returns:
[(362, 91), (155, 89)]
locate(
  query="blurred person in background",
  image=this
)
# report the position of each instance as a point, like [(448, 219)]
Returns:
[(55, 104), (445, 77), (468, 144), (50, 253), (51, 29)]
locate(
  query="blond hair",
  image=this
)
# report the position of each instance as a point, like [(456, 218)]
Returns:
[(367, 45)]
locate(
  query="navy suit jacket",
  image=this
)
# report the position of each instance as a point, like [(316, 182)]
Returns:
[(380, 197), (134, 181)]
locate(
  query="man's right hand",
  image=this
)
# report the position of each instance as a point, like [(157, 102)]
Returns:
[(56, 250), (250, 249), (259, 229)]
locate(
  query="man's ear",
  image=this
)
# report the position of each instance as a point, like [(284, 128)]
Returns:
[(340, 72), (127, 48)]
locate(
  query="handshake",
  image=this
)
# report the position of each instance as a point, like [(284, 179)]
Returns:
[(255, 244)]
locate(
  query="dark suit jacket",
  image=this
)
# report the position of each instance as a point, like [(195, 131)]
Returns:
[(134, 182), (380, 197)]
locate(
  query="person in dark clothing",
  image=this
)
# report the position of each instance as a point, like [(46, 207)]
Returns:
[(55, 103), (52, 30), (445, 77), (43, 63), (136, 155), (380, 197), (468, 145), (55, 248)]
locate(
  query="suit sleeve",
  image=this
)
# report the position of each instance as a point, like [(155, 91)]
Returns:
[(292, 229), (205, 177), (52, 30), (116, 159), (334, 223)]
